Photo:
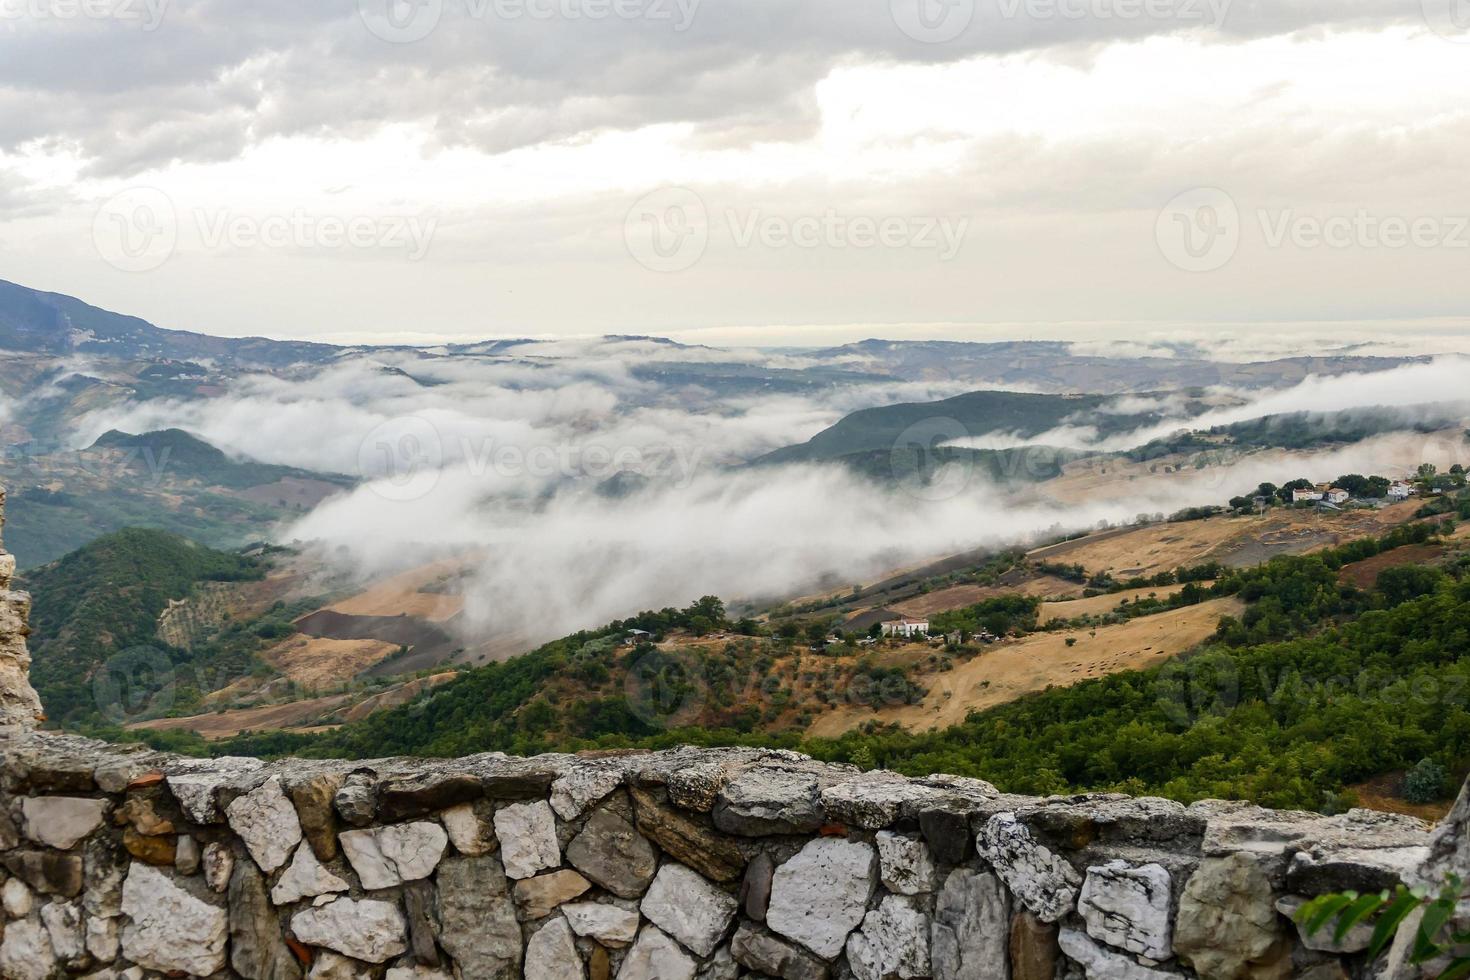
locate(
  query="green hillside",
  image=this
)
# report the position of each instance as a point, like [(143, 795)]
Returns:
[(913, 466), (178, 454), (918, 424), (169, 480), (103, 601), (1317, 687), (1310, 430)]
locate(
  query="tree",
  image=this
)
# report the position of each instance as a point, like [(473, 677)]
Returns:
[(711, 608), (1285, 492), (1402, 583), (1365, 487), (1425, 782)]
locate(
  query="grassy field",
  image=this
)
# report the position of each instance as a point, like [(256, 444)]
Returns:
[(1015, 668)]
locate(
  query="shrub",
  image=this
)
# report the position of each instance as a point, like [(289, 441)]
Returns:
[(1425, 782)]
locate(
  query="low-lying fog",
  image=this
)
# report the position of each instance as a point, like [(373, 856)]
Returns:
[(514, 460)]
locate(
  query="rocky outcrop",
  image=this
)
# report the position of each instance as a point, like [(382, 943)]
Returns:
[(19, 705)]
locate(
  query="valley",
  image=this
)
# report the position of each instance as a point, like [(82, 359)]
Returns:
[(459, 567)]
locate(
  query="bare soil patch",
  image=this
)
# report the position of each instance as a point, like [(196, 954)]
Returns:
[(1239, 542), (1011, 670), (292, 493), (395, 696), (317, 662), (960, 596), (1364, 574), (226, 724), (1381, 793), (1100, 605), (426, 593)]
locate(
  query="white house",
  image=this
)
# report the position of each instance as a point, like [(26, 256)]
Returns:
[(1311, 495), (1402, 491), (905, 627), (1337, 495)]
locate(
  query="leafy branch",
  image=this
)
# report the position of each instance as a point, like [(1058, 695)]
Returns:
[(1435, 936)]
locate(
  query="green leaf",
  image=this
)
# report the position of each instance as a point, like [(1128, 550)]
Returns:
[(1389, 923), (1355, 913), (1323, 909), (1458, 969), (1426, 946)]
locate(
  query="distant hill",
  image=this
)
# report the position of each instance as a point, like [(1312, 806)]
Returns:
[(1063, 366), (1311, 430), (913, 466), (978, 413), (189, 457), (104, 600), (168, 480), (51, 323)]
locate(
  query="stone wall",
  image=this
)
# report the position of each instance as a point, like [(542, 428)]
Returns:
[(664, 866), (119, 862), (19, 706)]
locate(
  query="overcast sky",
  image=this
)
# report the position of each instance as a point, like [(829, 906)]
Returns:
[(739, 171)]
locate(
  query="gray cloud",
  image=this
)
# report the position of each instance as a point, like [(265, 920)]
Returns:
[(217, 76)]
